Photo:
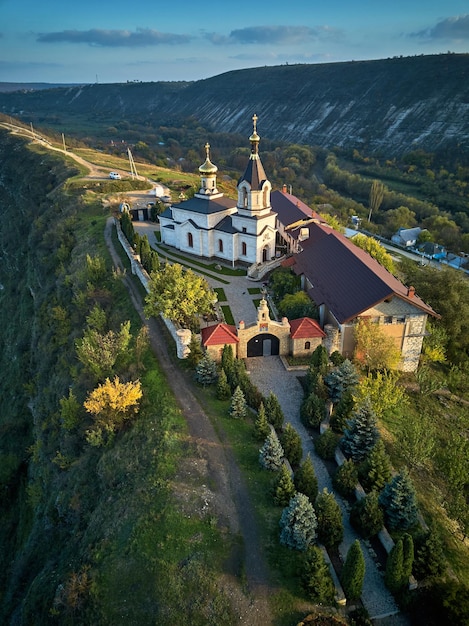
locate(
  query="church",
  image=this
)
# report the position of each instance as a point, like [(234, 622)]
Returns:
[(210, 225)]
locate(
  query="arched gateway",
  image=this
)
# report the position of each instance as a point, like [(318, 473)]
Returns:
[(263, 345)]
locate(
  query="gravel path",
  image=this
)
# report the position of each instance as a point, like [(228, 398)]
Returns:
[(269, 374)]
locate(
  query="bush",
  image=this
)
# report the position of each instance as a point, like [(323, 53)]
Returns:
[(366, 515), (326, 444), (346, 478)]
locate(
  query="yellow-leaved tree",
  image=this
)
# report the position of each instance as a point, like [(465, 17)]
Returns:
[(374, 349), (111, 404)]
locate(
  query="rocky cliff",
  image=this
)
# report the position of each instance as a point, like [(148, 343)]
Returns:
[(389, 106)]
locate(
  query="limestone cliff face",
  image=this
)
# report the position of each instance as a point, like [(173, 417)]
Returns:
[(389, 106)]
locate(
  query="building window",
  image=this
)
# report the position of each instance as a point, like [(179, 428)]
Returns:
[(244, 249), (190, 240), (388, 319), (245, 197), (245, 230), (220, 245), (400, 319), (307, 345)]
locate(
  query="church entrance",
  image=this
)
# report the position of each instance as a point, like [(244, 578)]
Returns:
[(263, 345), (265, 255)]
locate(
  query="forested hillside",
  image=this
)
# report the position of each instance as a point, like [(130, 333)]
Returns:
[(388, 106)]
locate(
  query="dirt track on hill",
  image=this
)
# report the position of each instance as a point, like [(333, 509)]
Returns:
[(231, 499)]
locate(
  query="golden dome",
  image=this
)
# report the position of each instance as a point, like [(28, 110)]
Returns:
[(208, 167)]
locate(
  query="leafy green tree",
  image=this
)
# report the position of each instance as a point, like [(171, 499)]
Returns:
[(283, 487), (367, 516), (223, 391), (305, 479), (298, 523), (395, 219), (330, 528), (101, 353), (375, 250), (296, 305), (206, 370), (238, 406), (261, 425), (383, 391), (376, 470), (374, 350), (196, 353), (179, 294), (274, 411), (316, 577), (282, 282), (69, 410), (271, 454), (291, 444), (361, 433), (394, 576), (376, 196), (341, 379), (353, 572), (312, 410), (399, 502), (345, 478), (326, 444)]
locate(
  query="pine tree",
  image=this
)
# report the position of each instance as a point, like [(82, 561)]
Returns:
[(343, 378), (319, 360), (326, 444), (408, 556), (271, 453), (291, 444), (223, 389), (330, 526), (274, 411), (346, 478), (361, 433), (283, 487), (353, 572), (298, 523), (399, 502), (429, 558), (367, 516), (342, 412), (206, 371), (376, 470), (238, 407), (261, 425), (394, 567), (196, 353), (316, 577), (305, 479), (312, 410)]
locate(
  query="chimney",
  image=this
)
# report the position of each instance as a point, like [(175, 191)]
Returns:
[(411, 292), (284, 188)]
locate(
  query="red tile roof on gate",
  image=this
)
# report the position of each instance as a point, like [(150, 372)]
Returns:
[(345, 278), (305, 328), (219, 335)]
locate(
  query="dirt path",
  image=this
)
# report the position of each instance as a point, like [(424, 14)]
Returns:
[(232, 497)]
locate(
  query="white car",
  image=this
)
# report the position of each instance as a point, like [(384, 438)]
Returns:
[(114, 175)]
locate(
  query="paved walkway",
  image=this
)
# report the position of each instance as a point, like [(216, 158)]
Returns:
[(269, 374)]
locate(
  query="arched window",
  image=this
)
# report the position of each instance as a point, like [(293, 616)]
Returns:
[(220, 245), (190, 240), (244, 249), (245, 197), (264, 196), (307, 345)]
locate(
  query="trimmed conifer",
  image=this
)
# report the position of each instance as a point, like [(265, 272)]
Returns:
[(274, 411), (223, 389), (271, 453), (316, 577), (238, 407), (353, 572), (320, 360), (312, 410), (342, 412), (227, 361), (291, 444), (261, 425), (394, 568), (408, 556), (330, 528), (283, 487), (367, 516), (305, 479), (298, 523), (206, 371), (399, 502), (361, 433), (326, 444), (346, 478), (376, 470), (343, 378)]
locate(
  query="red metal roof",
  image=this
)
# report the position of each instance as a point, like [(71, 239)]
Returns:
[(305, 328), (219, 335)]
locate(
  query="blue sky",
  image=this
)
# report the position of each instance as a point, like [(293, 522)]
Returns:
[(89, 41)]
